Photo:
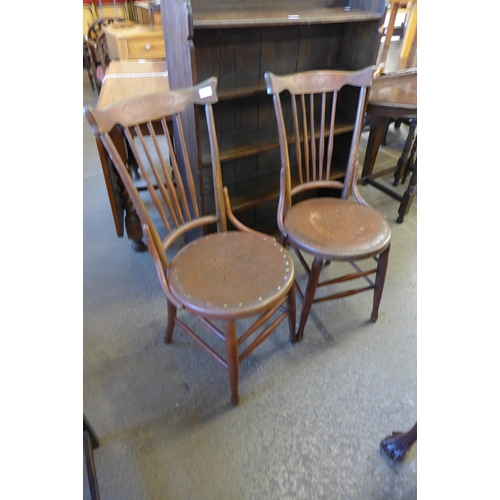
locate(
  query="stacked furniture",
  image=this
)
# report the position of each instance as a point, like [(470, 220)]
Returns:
[(148, 12), (111, 8), (238, 41)]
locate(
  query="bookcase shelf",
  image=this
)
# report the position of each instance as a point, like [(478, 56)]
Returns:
[(237, 41)]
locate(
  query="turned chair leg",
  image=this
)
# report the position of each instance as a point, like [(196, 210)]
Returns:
[(383, 261), (90, 441), (172, 314), (232, 359), (312, 284), (292, 309)]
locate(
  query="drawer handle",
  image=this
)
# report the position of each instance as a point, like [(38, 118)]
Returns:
[(148, 46)]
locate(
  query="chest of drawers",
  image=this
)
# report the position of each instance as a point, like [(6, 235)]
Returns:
[(136, 42)]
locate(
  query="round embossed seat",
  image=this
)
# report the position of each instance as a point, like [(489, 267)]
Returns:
[(231, 274), (337, 229)]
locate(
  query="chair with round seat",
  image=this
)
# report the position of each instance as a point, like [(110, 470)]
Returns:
[(316, 216), (237, 282)]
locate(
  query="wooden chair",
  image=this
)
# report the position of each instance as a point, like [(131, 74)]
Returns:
[(98, 60), (110, 8), (88, 19), (98, 48), (315, 215), (221, 277), (99, 24), (87, 61)]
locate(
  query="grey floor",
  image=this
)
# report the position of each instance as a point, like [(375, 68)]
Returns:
[(311, 416)]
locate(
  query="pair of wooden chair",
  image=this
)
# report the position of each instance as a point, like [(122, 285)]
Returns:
[(228, 272)]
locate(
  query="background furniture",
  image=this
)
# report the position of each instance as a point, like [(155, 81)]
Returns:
[(391, 97), (126, 79), (311, 217), (410, 28), (100, 56), (238, 41), (94, 9), (410, 37), (220, 278), (136, 42), (112, 8), (146, 14), (91, 48), (88, 18), (89, 15)]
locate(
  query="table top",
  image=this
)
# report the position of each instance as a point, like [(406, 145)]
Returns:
[(394, 95), (126, 79), (135, 31)]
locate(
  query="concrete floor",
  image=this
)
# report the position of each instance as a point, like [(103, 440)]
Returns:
[(311, 416)]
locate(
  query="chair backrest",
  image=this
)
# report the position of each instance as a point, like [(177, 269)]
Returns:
[(98, 46), (311, 115), (88, 17), (166, 171), (99, 24), (109, 8)]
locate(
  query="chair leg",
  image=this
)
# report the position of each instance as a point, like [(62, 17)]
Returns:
[(90, 441), (312, 284), (383, 260), (398, 443), (232, 359), (172, 314), (89, 462), (92, 434), (291, 304)]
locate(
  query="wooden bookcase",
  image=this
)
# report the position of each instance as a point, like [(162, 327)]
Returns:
[(238, 41)]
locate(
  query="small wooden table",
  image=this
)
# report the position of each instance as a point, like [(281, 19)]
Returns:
[(392, 96), (126, 79)]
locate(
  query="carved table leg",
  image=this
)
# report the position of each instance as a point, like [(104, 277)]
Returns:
[(408, 196), (132, 163), (411, 191), (401, 166), (398, 443), (132, 222)]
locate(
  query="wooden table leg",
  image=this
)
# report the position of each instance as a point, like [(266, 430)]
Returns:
[(408, 196), (401, 166), (411, 191), (121, 197), (377, 130)]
